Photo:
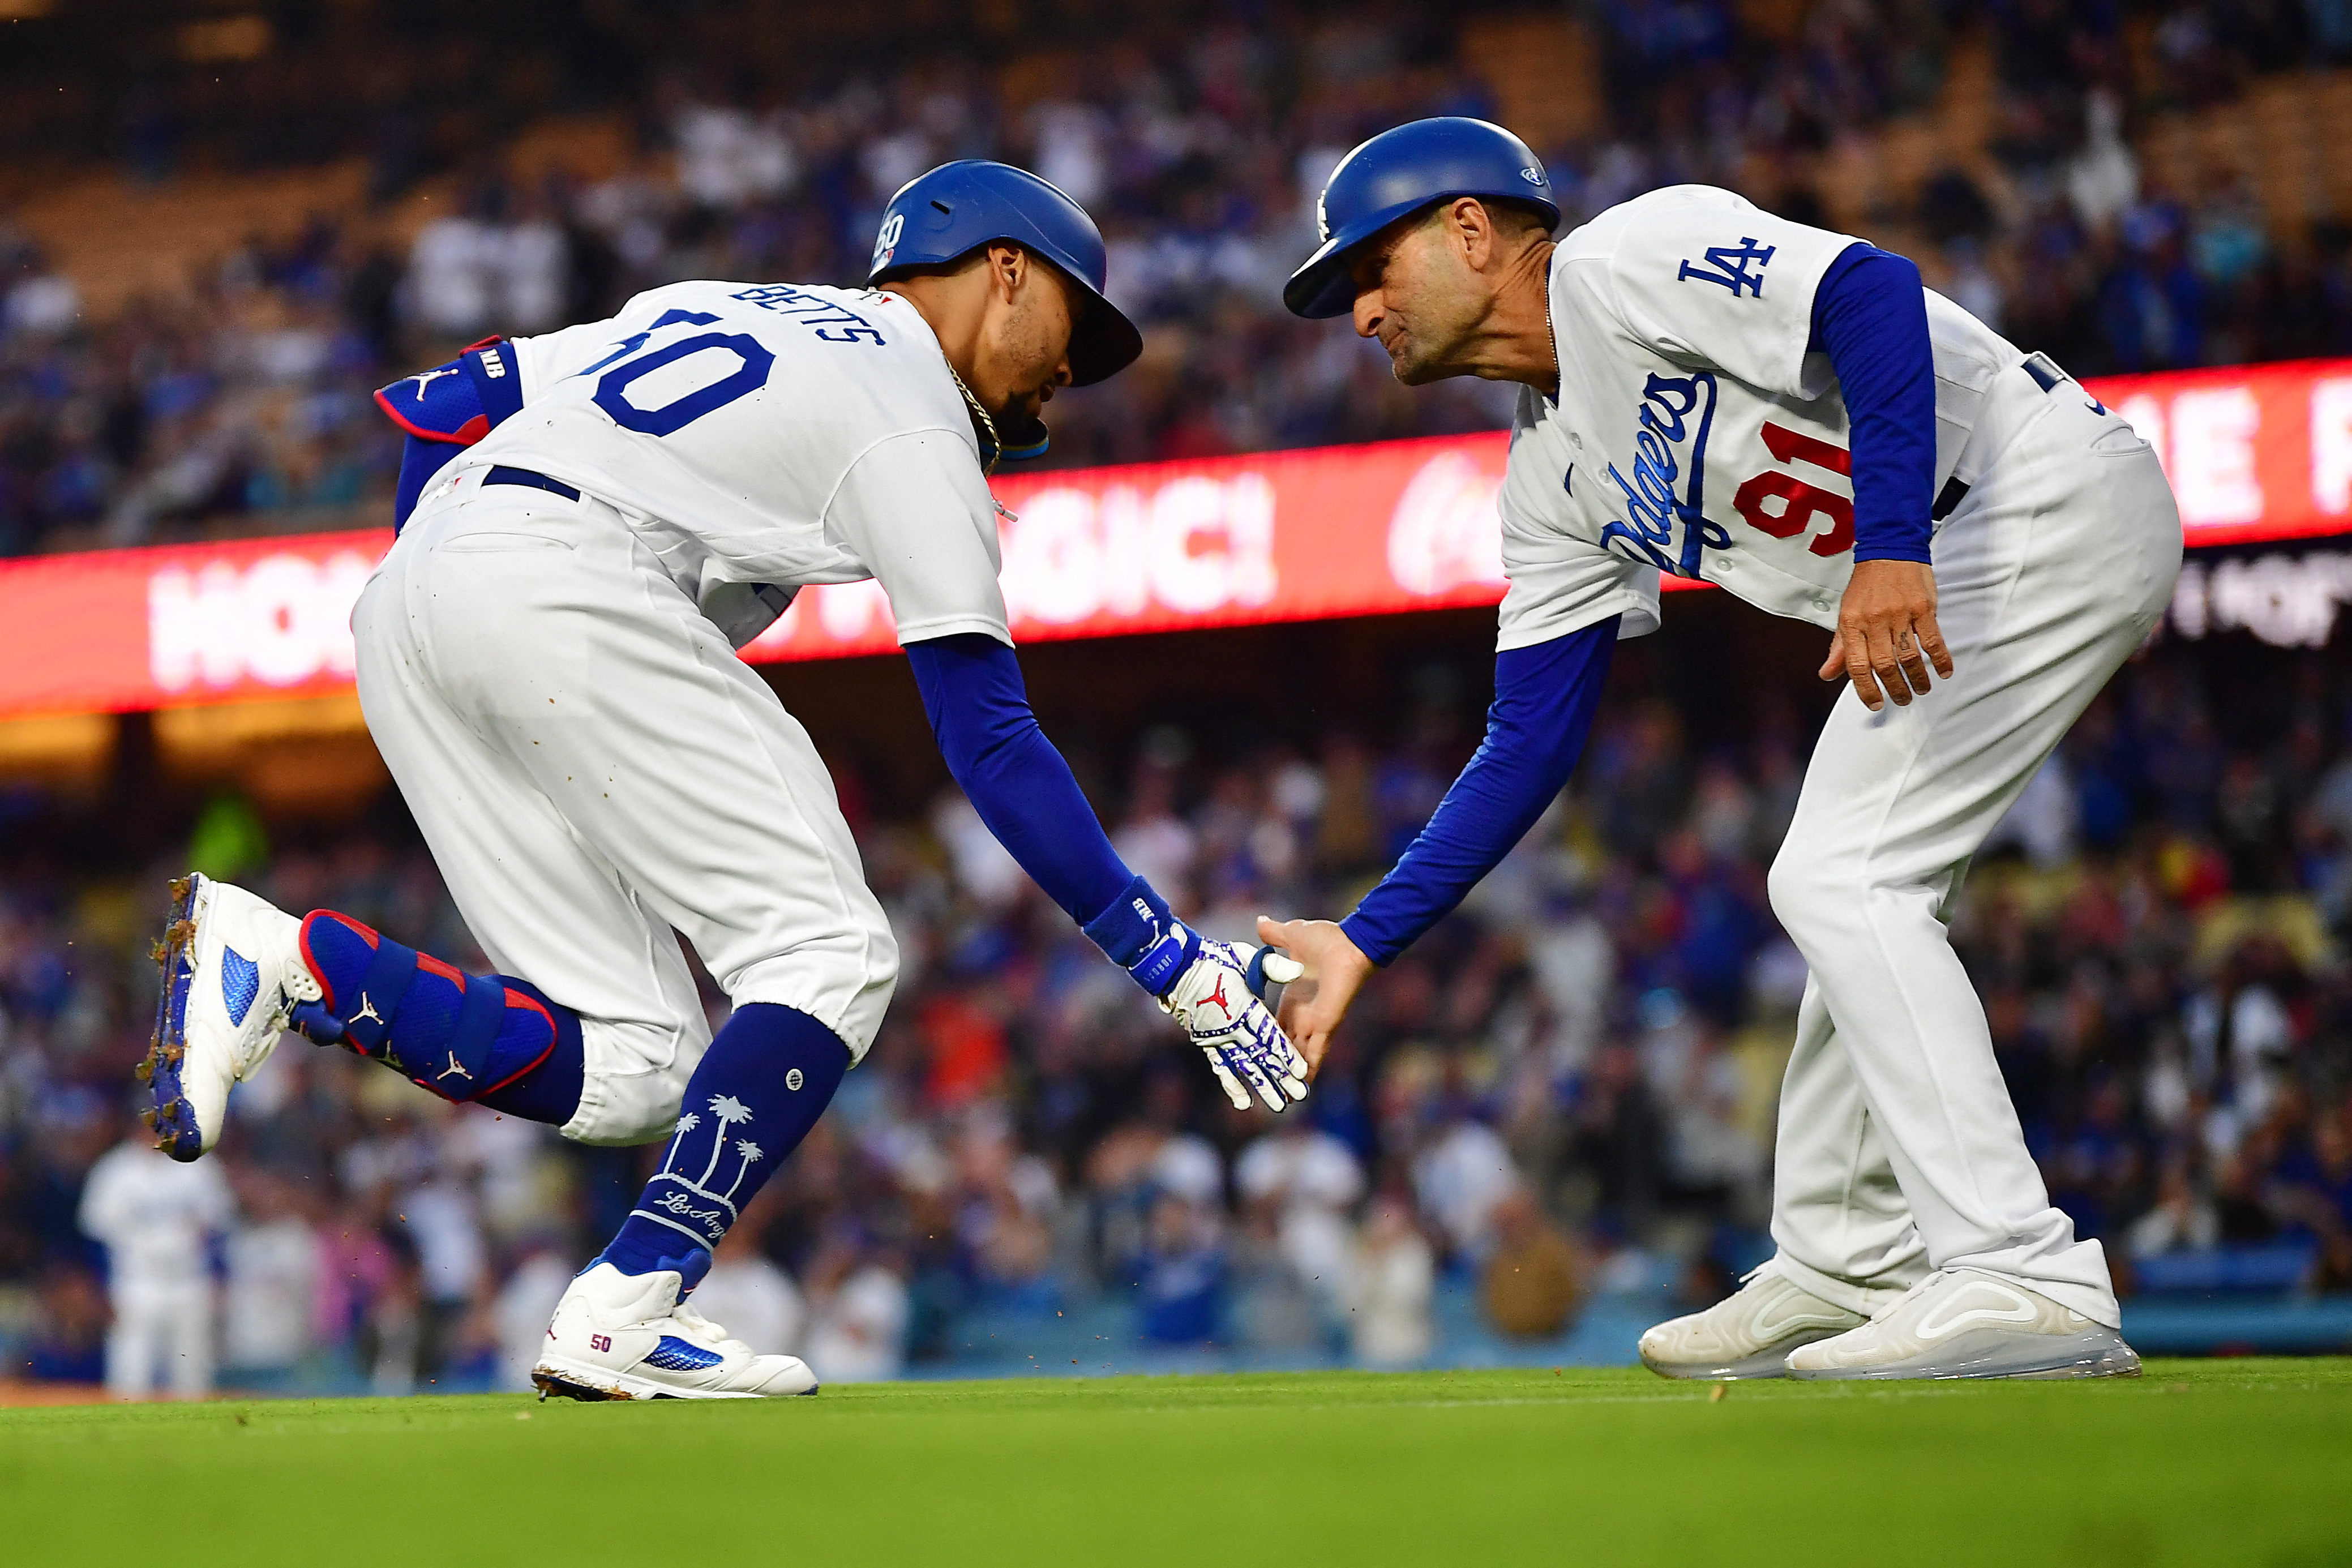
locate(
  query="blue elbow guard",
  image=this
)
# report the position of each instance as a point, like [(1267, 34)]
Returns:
[(448, 408)]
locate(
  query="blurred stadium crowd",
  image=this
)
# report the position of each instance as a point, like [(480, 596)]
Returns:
[(1199, 144), (1565, 1094)]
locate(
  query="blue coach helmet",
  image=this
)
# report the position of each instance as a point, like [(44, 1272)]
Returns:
[(1394, 175), (958, 207)]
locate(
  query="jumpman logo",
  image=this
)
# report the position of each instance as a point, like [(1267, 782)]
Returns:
[(453, 1067), (1218, 997), (425, 380), (367, 1010)]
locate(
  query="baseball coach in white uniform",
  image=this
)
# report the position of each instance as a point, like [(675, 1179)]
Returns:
[(1710, 391)]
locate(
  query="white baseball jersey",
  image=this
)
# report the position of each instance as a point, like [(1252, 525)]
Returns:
[(768, 434), (1692, 431), (1693, 434)]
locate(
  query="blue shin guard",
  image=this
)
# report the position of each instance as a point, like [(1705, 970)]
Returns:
[(766, 1078), (465, 1037)]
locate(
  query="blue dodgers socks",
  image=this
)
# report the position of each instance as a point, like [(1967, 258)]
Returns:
[(768, 1076), (466, 1037)]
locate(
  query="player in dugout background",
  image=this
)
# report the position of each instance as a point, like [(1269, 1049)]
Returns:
[(1714, 392)]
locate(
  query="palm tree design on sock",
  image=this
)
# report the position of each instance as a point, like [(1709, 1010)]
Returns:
[(686, 1125), (728, 1110), (750, 1152)]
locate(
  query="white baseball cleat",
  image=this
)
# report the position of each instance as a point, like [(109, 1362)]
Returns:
[(1748, 1333), (233, 971), (628, 1336), (1966, 1322)]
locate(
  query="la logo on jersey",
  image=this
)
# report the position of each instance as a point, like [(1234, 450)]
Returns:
[(1727, 266)]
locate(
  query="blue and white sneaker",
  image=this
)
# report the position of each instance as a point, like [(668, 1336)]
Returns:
[(628, 1336), (233, 971)]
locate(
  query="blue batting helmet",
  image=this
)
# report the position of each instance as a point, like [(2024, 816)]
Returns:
[(1394, 175), (958, 207)]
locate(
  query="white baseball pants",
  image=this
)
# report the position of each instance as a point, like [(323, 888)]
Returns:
[(1899, 1151), (162, 1337), (597, 774)]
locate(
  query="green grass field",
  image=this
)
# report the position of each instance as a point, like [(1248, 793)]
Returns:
[(2198, 1462)]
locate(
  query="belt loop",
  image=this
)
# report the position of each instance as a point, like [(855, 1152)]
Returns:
[(1946, 503), (532, 477)]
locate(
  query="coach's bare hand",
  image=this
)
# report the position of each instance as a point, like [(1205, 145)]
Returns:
[(1887, 637), (1313, 1006)]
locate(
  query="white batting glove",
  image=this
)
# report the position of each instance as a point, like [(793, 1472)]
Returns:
[(1216, 999), (1213, 989)]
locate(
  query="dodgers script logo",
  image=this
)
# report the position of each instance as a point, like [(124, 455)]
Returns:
[(1669, 478)]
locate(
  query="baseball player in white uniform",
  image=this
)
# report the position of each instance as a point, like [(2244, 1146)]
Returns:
[(1712, 391), (593, 522), (157, 1221)]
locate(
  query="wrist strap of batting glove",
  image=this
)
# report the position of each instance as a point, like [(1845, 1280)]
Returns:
[(1143, 936)]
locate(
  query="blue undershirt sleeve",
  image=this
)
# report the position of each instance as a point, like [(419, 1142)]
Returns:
[(1870, 316), (1544, 699), (1019, 784), (419, 461)]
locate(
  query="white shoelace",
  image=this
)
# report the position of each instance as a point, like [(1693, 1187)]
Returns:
[(702, 1329)]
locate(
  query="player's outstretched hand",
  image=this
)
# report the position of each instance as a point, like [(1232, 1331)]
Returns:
[(1887, 634), (1217, 1001), (1313, 1008)]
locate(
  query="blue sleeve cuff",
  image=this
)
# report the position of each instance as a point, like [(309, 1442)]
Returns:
[(1870, 316), (1140, 934), (1376, 945)]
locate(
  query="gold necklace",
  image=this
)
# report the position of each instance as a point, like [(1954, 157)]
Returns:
[(1559, 371), (995, 442)]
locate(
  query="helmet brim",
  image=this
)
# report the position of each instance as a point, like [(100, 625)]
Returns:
[(1321, 286), (1102, 341)]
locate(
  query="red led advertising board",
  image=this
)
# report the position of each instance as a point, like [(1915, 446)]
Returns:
[(2255, 454)]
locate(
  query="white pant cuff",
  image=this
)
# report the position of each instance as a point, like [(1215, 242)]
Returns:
[(1866, 1296)]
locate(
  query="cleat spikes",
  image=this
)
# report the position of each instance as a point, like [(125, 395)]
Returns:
[(549, 1383)]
